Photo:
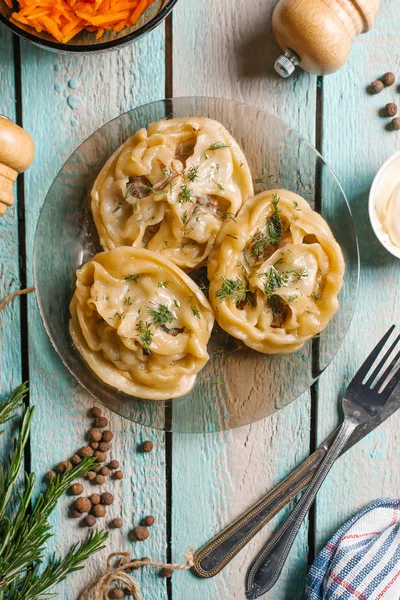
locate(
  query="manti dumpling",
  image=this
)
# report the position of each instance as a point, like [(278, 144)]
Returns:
[(170, 188), (275, 273), (141, 324)]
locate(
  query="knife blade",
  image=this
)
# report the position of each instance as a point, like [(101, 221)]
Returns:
[(218, 552)]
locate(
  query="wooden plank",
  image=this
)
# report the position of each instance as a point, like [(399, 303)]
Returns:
[(10, 345), (356, 144), (66, 98), (216, 477)]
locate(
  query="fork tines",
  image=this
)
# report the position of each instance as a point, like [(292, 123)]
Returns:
[(384, 376)]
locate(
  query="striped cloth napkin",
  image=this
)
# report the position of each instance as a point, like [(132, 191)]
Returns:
[(362, 560)]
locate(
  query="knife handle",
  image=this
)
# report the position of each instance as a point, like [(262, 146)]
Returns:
[(217, 553)]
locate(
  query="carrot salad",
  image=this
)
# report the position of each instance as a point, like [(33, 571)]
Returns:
[(64, 19)]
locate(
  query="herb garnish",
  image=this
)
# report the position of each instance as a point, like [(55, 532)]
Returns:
[(235, 289), (259, 247), (118, 315), (185, 217), (226, 214), (192, 174), (262, 179), (218, 146), (185, 195), (196, 312), (231, 236), (274, 223), (132, 277), (163, 284), (117, 208), (218, 184), (145, 335), (275, 279), (128, 300), (162, 315)]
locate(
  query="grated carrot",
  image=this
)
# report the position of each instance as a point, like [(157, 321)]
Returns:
[(63, 19)]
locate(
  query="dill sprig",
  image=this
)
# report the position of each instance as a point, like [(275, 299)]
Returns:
[(261, 240), (218, 184), (192, 173), (145, 335), (25, 528), (161, 315), (235, 289), (196, 311), (185, 195), (218, 146), (226, 214), (132, 277), (263, 178), (273, 280)]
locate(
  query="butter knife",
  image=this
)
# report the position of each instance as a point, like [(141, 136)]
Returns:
[(218, 552)]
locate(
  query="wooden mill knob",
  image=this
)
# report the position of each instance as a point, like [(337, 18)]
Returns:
[(16, 155), (317, 34)]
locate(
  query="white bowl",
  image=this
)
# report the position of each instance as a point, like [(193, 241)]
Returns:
[(383, 185)]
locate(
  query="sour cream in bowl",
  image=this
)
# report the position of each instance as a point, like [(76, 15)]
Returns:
[(384, 205)]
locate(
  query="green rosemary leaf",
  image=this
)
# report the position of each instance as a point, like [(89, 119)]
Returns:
[(13, 402)]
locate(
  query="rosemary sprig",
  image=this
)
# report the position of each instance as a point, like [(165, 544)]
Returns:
[(23, 534)]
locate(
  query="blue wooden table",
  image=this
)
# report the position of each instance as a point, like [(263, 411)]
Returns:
[(196, 484)]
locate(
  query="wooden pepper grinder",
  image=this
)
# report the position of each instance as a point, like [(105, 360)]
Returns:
[(317, 34), (16, 155)]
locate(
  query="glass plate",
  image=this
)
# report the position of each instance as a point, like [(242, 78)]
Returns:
[(237, 386)]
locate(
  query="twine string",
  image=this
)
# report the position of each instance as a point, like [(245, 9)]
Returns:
[(10, 297), (100, 588)]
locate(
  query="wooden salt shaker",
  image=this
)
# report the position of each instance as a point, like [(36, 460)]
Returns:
[(317, 34), (16, 155)]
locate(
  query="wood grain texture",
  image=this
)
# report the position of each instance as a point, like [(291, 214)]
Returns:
[(218, 476), (10, 342), (356, 144), (66, 98)]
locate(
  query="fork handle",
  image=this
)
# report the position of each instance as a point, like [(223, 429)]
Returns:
[(218, 552), (265, 570)]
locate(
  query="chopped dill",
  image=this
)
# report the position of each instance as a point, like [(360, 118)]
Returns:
[(132, 277), (192, 174), (273, 280), (231, 236), (262, 179), (185, 195), (196, 312), (145, 335), (163, 284), (226, 214), (218, 184), (259, 247), (118, 315), (165, 171), (162, 315), (176, 303), (128, 300), (117, 208), (274, 223), (235, 289), (185, 217), (218, 146)]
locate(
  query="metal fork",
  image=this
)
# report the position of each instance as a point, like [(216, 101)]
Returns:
[(363, 400)]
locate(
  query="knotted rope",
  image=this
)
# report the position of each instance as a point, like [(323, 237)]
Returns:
[(100, 588)]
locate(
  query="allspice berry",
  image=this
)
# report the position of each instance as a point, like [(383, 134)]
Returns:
[(85, 451), (116, 523), (113, 464), (96, 467), (377, 86), (94, 445), (76, 459), (98, 510), (391, 109), (64, 465), (100, 479), (104, 446), (147, 446), (395, 124), (167, 572), (95, 434), (118, 475), (51, 475), (91, 475), (76, 489), (141, 533), (101, 422), (94, 499), (146, 559), (96, 412), (82, 504), (388, 79), (149, 521), (107, 436), (117, 593), (74, 514), (105, 471), (100, 456), (106, 498), (90, 520)]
